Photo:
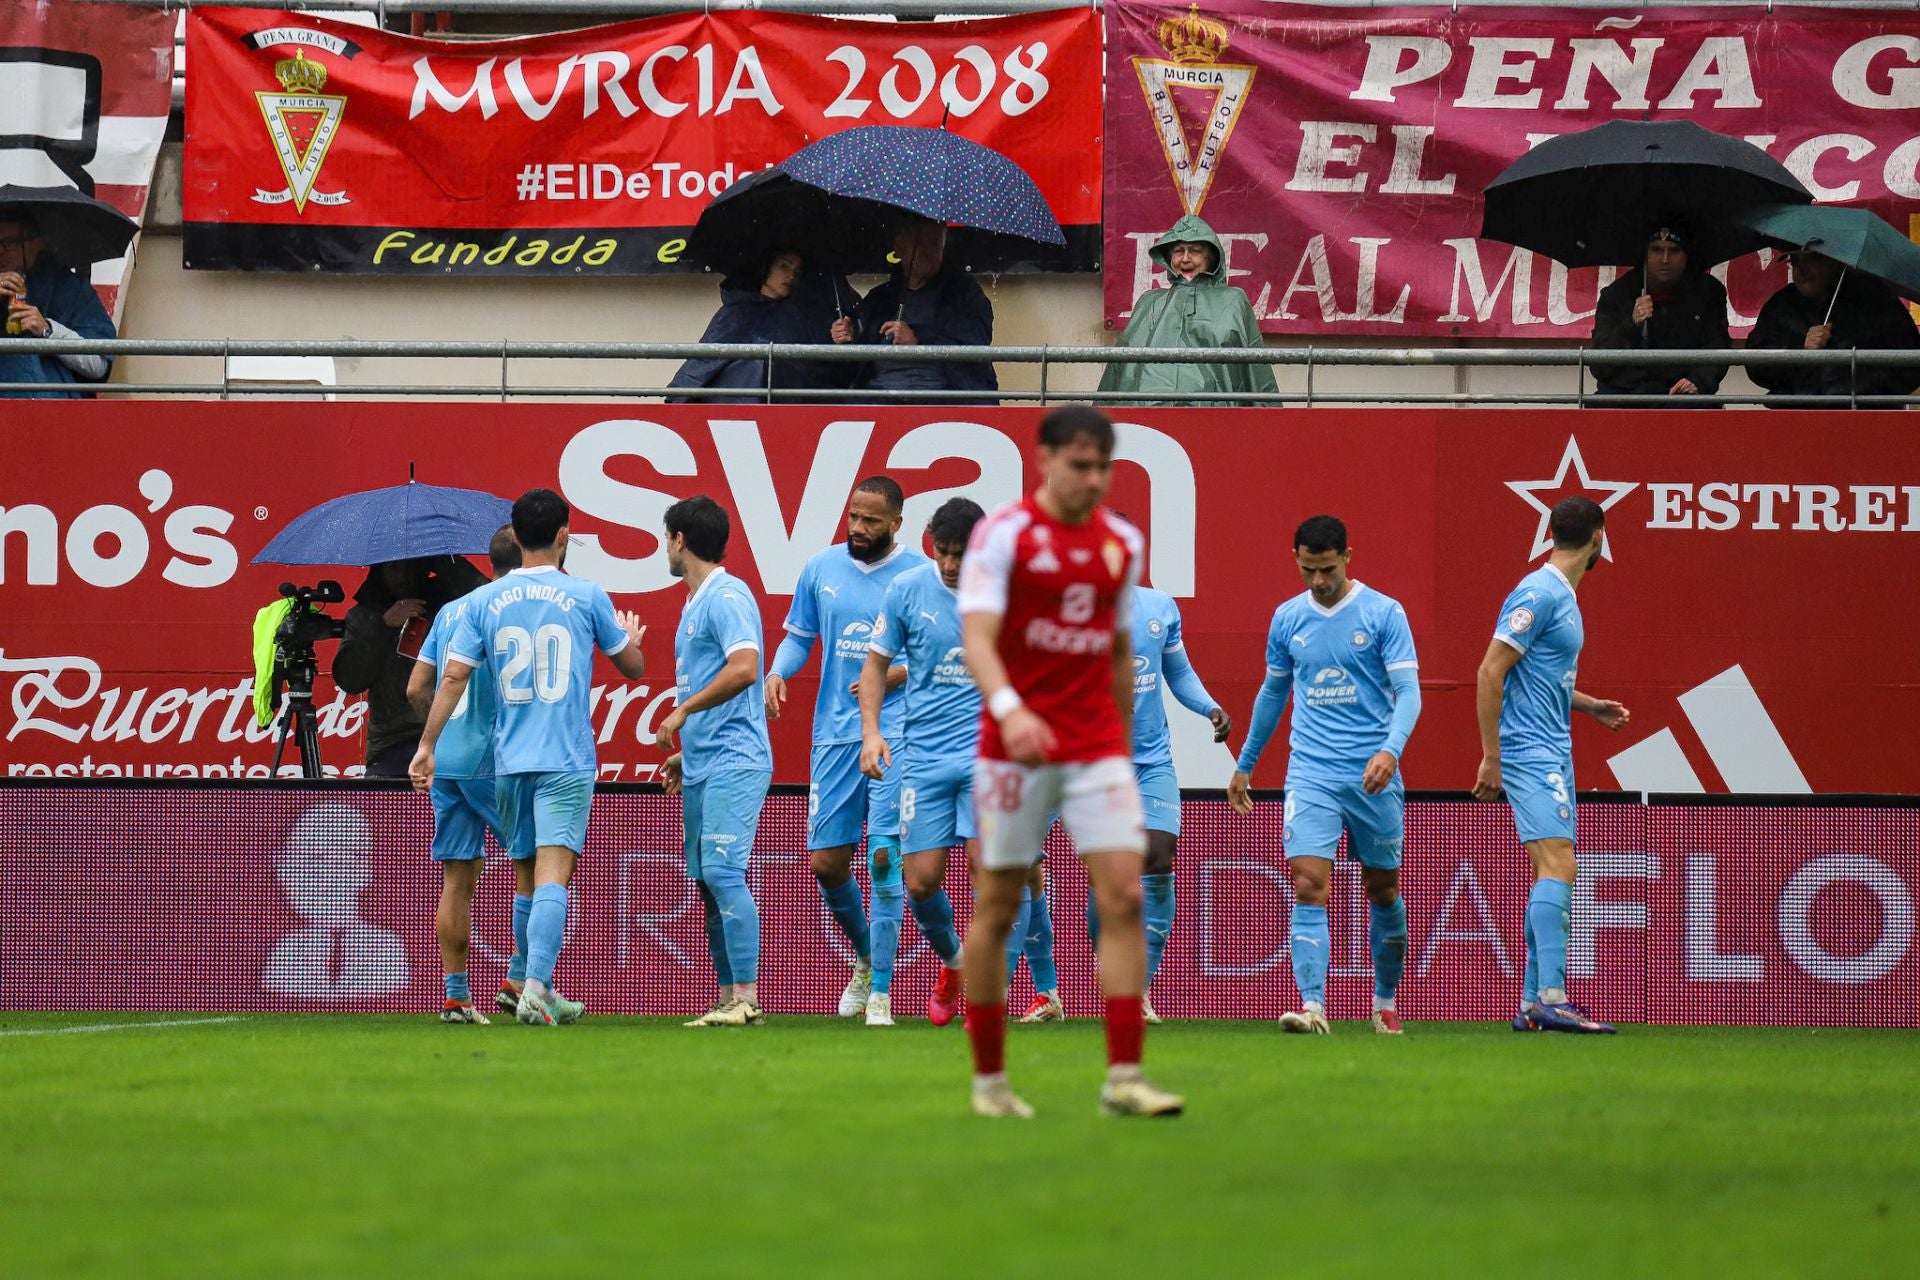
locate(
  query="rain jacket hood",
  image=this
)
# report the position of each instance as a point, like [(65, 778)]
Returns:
[(1190, 230), (1202, 312)]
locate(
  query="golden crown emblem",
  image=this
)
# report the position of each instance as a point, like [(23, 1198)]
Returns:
[(299, 75), (1193, 38)]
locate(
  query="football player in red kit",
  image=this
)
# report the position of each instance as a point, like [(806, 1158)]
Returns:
[(1044, 594)]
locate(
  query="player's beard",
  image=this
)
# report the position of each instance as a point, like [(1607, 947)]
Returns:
[(873, 550)]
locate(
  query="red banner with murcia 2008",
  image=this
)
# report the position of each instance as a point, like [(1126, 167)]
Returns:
[(1751, 612), (1342, 153), (317, 144)]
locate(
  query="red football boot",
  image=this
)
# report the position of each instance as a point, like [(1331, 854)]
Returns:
[(944, 1004)]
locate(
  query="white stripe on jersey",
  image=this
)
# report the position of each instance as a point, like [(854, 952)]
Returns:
[(985, 572)]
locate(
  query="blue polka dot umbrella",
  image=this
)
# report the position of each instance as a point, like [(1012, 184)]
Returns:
[(836, 196)]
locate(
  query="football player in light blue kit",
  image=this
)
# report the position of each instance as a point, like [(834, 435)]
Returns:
[(725, 763), (840, 593), (535, 630), (1159, 656), (465, 806), (1526, 698), (920, 625), (1345, 652)]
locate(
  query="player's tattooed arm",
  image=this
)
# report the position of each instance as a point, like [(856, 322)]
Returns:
[(420, 686), (1490, 689), (1611, 715)]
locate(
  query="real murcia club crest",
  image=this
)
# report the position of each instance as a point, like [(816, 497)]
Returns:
[(302, 122), (1194, 44)]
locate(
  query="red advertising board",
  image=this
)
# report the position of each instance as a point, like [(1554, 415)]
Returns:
[(314, 144), (1342, 153), (312, 899), (1753, 613)]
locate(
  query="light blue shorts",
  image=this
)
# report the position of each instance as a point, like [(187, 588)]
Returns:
[(543, 809), (841, 800), (936, 802), (1316, 812), (1541, 795), (721, 816), (1160, 797), (464, 810)]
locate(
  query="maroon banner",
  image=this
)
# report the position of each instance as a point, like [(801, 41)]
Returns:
[(313, 143), (1342, 154), (315, 900), (1751, 612), (85, 105)]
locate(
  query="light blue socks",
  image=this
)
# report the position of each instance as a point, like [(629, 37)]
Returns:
[(1308, 943), (546, 926)]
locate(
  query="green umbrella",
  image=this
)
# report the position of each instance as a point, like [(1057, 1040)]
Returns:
[(1858, 238)]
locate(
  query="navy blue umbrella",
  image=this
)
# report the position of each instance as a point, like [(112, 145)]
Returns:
[(404, 522), (834, 198)]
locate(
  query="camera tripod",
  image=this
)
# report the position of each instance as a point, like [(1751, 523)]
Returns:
[(298, 718)]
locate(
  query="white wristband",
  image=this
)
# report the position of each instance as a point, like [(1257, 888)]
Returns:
[(1004, 702)]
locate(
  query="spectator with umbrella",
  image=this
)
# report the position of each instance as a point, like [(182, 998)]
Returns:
[(415, 538), (780, 298), (1665, 194), (1847, 266), (1662, 305), (926, 301), (45, 233), (840, 197)]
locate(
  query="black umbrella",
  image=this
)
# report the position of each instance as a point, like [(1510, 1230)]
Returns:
[(1589, 199), (771, 210), (77, 228)]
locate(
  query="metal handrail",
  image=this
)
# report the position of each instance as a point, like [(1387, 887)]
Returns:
[(855, 353), (1580, 360), (621, 8)]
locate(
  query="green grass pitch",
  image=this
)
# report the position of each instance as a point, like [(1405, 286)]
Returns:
[(393, 1146)]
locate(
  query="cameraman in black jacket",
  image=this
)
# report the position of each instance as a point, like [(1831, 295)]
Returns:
[(370, 661)]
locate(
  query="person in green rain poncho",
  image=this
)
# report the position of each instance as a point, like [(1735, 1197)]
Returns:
[(1198, 308)]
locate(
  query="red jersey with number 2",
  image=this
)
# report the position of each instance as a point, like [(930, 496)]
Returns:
[(1063, 591)]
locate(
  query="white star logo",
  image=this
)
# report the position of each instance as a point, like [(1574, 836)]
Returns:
[(1571, 459)]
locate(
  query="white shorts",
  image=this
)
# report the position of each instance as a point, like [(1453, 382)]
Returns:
[(1098, 803)]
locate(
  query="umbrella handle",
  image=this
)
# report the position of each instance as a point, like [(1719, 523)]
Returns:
[(1836, 294)]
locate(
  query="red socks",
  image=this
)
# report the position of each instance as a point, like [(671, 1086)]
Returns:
[(1126, 1031), (987, 1030)]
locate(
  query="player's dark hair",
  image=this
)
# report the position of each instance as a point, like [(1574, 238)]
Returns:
[(704, 524), (503, 551), (538, 517), (886, 488), (954, 521), (1574, 522), (1061, 427), (1317, 535)]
